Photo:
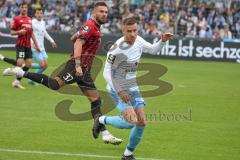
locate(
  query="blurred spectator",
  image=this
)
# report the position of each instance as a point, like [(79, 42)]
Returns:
[(238, 25), (151, 27), (216, 34), (48, 11), (3, 9), (225, 33), (213, 19), (86, 14), (3, 23), (182, 24)]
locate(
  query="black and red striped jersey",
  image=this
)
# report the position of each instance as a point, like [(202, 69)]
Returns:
[(90, 32)]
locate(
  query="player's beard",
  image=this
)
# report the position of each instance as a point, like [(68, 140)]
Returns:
[(100, 21), (24, 13)]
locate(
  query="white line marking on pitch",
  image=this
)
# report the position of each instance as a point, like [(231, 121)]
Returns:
[(66, 154)]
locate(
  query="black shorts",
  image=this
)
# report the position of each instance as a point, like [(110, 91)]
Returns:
[(23, 52), (85, 82)]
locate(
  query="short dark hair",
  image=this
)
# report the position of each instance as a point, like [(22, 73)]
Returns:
[(100, 4), (129, 21), (38, 9), (22, 4)]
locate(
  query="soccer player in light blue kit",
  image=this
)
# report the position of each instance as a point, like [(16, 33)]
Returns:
[(40, 32), (120, 75)]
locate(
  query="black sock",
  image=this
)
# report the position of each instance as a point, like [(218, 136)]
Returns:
[(96, 111), (19, 78), (10, 61), (43, 79), (39, 78), (25, 68)]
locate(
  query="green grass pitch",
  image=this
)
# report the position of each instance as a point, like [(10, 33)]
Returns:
[(209, 92)]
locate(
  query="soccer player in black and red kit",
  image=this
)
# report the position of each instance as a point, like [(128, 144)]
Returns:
[(22, 27), (77, 69)]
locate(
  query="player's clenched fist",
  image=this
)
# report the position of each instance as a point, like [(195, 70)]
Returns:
[(79, 71), (22, 31)]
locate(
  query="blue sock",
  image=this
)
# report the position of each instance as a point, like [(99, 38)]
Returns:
[(35, 66), (118, 122), (135, 137), (40, 70)]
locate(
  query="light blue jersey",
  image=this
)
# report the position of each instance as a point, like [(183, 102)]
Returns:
[(121, 69), (40, 32)]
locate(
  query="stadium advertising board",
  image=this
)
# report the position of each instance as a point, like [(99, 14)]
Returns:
[(192, 49), (202, 50)]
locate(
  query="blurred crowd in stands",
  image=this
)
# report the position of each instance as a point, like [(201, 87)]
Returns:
[(212, 19)]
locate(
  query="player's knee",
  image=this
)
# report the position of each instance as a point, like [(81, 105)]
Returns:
[(95, 99), (44, 66), (141, 123), (20, 63), (53, 84)]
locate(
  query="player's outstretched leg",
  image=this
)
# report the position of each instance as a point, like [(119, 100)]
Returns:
[(8, 60), (39, 78), (16, 83)]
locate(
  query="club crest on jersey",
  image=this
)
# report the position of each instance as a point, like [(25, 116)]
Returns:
[(86, 29), (111, 58)]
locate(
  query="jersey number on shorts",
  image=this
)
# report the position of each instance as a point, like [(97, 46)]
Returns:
[(68, 77), (21, 54)]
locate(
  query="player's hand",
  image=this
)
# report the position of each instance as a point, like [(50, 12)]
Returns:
[(54, 45), (79, 71), (124, 96), (166, 36), (22, 31), (38, 49)]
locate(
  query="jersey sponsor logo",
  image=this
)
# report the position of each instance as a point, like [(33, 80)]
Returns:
[(111, 58), (86, 29)]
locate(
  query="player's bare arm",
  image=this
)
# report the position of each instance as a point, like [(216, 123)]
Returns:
[(35, 43), (20, 32), (74, 37), (77, 55)]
